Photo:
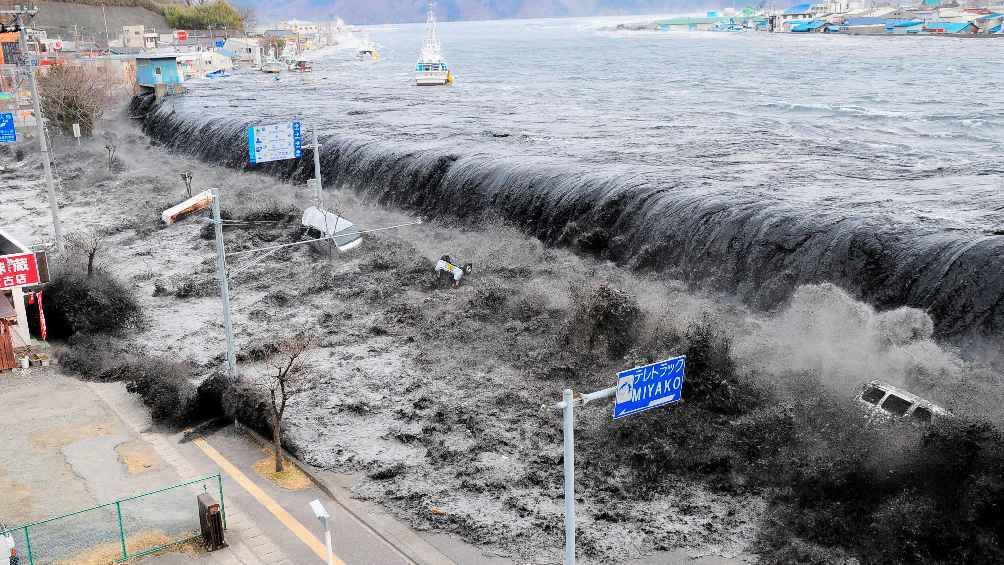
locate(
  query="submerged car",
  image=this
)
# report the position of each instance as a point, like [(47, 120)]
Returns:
[(890, 401)]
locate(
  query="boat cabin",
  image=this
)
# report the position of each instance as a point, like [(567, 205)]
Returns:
[(431, 67)]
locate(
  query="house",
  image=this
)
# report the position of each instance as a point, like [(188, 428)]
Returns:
[(797, 12), (864, 25), (808, 26), (244, 50), (949, 28), (158, 68), (904, 27), (138, 37)]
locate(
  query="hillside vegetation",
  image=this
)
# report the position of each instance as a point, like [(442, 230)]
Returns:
[(217, 14), (203, 16)]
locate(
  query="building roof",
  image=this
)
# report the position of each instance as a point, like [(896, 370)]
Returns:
[(798, 9), (903, 23), (808, 25), (865, 22), (949, 27), (152, 56)]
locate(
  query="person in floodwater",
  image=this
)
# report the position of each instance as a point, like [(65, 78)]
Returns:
[(446, 266)]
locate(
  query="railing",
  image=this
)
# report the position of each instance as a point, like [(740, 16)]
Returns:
[(124, 529)]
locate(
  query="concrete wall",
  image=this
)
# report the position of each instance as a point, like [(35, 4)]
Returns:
[(58, 20)]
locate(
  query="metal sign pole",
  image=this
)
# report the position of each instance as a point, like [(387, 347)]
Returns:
[(221, 273), (317, 169), (567, 405), (568, 432)]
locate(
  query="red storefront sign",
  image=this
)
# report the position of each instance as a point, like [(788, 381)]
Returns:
[(19, 269)]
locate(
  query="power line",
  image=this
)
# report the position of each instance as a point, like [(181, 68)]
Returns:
[(326, 238)]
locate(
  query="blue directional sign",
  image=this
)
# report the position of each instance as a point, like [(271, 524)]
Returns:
[(274, 142), (219, 43), (7, 132), (649, 386)]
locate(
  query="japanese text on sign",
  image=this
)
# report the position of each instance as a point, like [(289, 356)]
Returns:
[(7, 132), (649, 386), (18, 270), (274, 142)]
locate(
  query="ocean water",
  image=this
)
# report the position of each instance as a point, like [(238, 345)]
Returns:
[(907, 127), (754, 162)]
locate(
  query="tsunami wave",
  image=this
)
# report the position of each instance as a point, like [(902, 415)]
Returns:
[(754, 247)]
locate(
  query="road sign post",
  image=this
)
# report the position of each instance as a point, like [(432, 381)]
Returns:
[(568, 435), (221, 273), (637, 390)]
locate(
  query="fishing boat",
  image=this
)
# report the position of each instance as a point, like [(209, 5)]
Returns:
[(431, 69), (367, 50), (302, 66)]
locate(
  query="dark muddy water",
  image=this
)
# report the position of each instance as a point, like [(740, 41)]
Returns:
[(749, 162)]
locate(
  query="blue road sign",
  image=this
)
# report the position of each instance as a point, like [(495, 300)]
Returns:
[(649, 386), (275, 142), (219, 43), (7, 132)]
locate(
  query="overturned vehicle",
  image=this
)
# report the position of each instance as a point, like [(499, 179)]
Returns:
[(887, 401)]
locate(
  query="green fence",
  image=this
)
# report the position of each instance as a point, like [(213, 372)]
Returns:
[(126, 528)]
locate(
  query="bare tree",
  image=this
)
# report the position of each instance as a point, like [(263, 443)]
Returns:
[(87, 243), (77, 94), (288, 378)]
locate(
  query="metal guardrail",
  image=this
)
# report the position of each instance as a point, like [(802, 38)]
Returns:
[(171, 512)]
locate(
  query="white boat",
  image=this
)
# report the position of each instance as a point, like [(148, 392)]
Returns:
[(271, 65), (431, 69)]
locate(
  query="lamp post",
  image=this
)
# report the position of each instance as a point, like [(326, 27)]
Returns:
[(322, 514)]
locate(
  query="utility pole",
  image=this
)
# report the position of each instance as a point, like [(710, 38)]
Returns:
[(22, 15), (105, 18), (221, 273)]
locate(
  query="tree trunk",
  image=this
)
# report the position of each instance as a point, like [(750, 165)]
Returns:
[(90, 263), (277, 441)]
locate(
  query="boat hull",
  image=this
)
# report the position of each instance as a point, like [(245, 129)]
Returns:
[(433, 78)]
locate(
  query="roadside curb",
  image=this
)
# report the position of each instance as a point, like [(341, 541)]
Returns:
[(386, 527)]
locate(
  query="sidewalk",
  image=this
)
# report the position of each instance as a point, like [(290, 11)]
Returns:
[(265, 522), (248, 543)]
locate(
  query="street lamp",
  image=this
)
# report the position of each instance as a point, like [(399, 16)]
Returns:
[(323, 516)]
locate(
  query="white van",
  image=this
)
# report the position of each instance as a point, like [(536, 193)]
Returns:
[(888, 400)]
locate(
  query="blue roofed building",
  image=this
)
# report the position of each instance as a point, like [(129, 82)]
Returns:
[(808, 26), (158, 68), (798, 12), (949, 28)]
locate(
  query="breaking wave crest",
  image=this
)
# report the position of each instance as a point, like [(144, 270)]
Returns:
[(760, 249)]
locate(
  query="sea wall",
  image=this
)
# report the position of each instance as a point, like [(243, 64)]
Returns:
[(759, 249)]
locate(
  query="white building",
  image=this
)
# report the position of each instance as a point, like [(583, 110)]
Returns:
[(138, 37), (244, 50), (299, 26)]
